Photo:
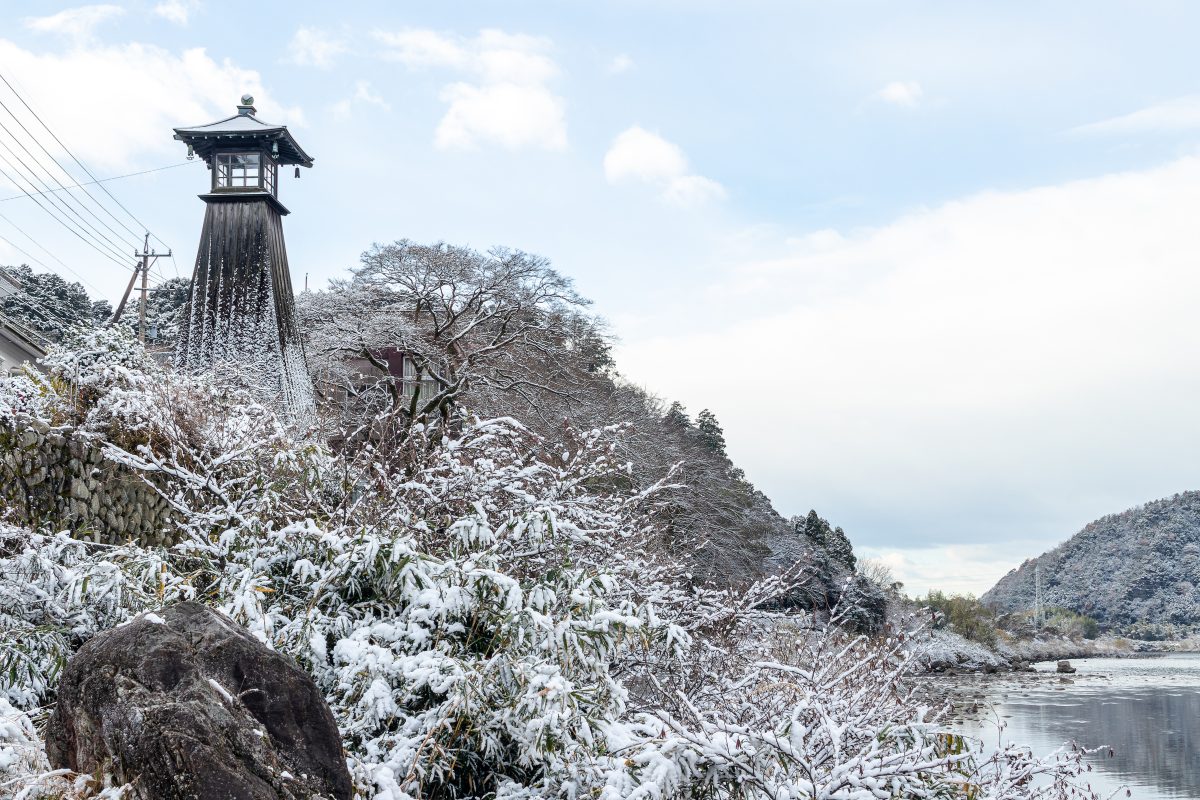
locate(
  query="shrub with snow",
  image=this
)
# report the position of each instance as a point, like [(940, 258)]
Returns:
[(486, 616)]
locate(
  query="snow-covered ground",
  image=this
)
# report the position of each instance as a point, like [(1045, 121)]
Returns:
[(486, 612)]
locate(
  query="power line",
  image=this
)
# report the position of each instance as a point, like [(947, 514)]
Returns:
[(31, 178), (67, 150), (57, 218), (25, 253), (55, 178), (21, 231), (103, 180), (96, 234), (97, 240)]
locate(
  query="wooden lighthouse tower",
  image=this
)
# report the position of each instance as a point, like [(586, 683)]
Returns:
[(241, 318)]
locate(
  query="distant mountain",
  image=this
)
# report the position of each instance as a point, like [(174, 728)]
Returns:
[(1139, 566)]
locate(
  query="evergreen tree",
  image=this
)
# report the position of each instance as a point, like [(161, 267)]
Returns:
[(816, 529), (164, 310), (833, 541), (711, 433), (102, 312), (840, 550), (46, 303), (677, 416)]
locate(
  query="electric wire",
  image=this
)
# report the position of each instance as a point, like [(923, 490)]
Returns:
[(103, 180), (64, 204), (78, 230), (64, 264), (25, 253), (74, 158), (97, 240), (57, 218), (55, 178)]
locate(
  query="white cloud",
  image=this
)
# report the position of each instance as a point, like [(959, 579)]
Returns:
[(822, 240), (621, 63), (312, 47), (514, 116), (177, 11), (906, 94), (639, 155), (89, 94), (77, 23), (1170, 116), (363, 95), (960, 569), (508, 101), (422, 48), (1013, 364)]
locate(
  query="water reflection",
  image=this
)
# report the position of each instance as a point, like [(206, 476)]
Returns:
[(1147, 710)]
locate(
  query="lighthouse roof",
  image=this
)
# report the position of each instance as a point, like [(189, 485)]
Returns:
[(241, 130)]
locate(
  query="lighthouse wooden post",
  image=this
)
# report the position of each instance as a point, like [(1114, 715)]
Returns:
[(241, 317)]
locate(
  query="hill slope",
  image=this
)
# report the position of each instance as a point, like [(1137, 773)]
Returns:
[(1142, 565)]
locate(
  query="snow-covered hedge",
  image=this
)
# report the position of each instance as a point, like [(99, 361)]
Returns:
[(487, 617)]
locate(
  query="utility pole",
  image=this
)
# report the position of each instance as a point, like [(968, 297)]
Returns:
[(1037, 594), (145, 290), (125, 297), (147, 255)]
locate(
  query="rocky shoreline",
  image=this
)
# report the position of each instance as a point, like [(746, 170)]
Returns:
[(948, 653)]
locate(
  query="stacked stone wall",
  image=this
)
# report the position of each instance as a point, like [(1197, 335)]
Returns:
[(57, 477)]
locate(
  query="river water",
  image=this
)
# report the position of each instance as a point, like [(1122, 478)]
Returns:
[(1146, 709)]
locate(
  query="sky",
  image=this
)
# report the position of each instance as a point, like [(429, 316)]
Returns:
[(934, 266)]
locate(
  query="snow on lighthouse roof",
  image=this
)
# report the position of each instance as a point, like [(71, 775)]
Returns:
[(243, 129)]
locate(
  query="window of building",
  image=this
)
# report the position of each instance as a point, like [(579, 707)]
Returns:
[(403, 369), (425, 387), (238, 171)]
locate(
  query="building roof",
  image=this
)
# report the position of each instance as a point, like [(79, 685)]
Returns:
[(8, 283), (18, 343), (243, 129)]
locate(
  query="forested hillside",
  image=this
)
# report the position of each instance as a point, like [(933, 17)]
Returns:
[(506, 335), (552, 365), (52, 306), (1139, 567), (550, 602)]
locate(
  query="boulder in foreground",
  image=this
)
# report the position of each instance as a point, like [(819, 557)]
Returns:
[(185, 705)]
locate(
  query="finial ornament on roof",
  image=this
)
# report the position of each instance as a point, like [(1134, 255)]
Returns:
[(247, 105)]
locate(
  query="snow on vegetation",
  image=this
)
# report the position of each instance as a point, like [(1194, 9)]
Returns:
[(490, 615)]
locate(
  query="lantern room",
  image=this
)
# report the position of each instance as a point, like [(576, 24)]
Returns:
[(244, 154)]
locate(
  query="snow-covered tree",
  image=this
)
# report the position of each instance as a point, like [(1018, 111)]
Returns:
[(165, 309), (46, 302), (492, 620), (444, 305), (502, 322), (711, 432)]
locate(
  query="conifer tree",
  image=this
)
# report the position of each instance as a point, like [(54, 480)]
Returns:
[(711, 433), (46, 303), (677, 416), (816, 529), (839, 548)]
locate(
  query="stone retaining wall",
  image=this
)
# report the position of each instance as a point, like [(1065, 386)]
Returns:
[(57, 477)]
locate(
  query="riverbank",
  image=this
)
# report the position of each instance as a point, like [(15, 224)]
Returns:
[(946, 652)]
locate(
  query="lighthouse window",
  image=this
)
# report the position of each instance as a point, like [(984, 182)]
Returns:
[(269, 175), (238, 170)]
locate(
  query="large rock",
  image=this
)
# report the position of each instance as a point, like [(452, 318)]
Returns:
[(185, 705)]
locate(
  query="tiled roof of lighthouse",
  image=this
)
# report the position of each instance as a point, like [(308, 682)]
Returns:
[(243, 127)]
